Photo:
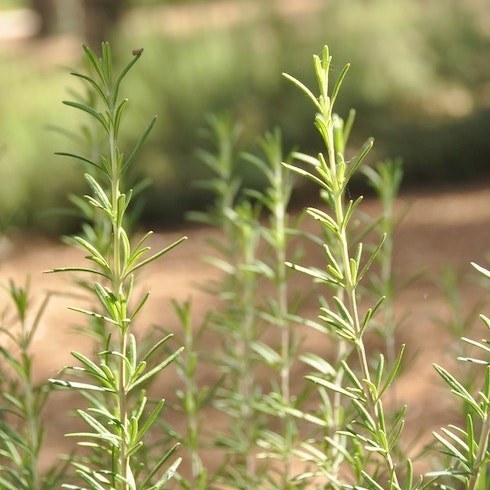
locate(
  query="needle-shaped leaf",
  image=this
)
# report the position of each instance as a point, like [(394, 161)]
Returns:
[(397, 427), (451, 448), (267, 354), (343, 310), (77, 269), (357, 161), (370, 312), (82, 159), (306, 174), (343, 326), (156, 468), (349, 212), (139, 306), (322, 66), (393, 372), (373, 484), (79, 386), (94, 61), (168, 475), (87, 478), (323, 218), (125, 247), (471, 438), (108, 301), (94, 314), (338, 84), (458, 389), (138, 145), (304, 89), (91, 249), (94, 370), (132, 352), (136, 56), (155, 347), (353, 378), (331, 386), (371, 258), (93, 84), (481, 270), (138, 371), (304, 157), (317, 362), (118, 115), (150, 420), (104, 414), (156, 256), (99, 193), (158, 368), (348, 124), (89, 110), (14, 363)]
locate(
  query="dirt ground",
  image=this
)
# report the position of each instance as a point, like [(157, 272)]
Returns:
[(446, 227)]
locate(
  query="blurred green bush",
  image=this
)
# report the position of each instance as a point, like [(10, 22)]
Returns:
[(424, 95)]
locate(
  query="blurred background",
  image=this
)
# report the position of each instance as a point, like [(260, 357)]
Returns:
[(419, 80)]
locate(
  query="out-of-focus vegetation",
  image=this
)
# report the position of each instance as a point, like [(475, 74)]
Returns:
[(425, 96)]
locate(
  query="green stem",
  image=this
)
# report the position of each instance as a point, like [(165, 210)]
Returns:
[(33, 423), (283, 303), (191, 415), (247, 374), (280, 217), (478, 477), (374, 404), (122, 399), (118, 289)]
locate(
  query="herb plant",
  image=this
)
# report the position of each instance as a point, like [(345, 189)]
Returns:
[(366, 436), (22, 401), (468, 445), (330, 430), (119, 414), (237, 322)]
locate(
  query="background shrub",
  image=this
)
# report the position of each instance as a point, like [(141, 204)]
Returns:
[(423, 93)]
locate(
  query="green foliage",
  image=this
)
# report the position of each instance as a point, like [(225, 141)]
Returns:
[(22, 401), (368, 428), (468, 446), (115, 382), (331, 430), (193, 400)]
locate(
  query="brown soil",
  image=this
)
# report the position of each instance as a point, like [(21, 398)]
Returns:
[(439, 229)]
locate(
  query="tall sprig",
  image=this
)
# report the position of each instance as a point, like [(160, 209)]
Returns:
[(114, 383), (372, 436)]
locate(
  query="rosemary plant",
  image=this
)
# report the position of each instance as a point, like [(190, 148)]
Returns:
[(252, 253), (331, 432), (239, 328), (385, 178), (119, 414), (366, 438), (468, 446), (236, 322), (22, 401), (193, 400), (277, 311)]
